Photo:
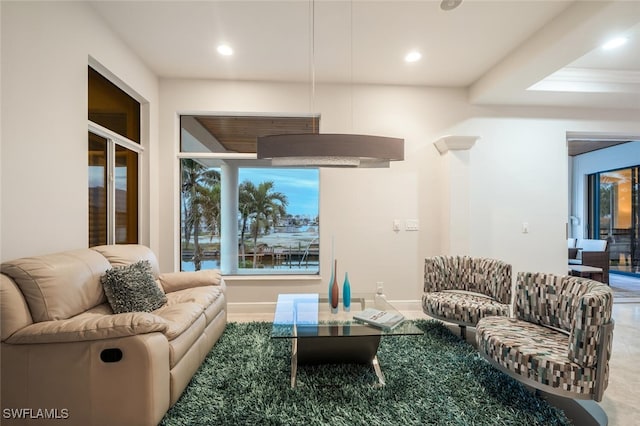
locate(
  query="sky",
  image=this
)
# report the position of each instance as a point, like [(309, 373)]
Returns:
[(301, 186)]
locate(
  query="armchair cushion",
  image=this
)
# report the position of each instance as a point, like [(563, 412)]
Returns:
[(591, 245), (462, 307), (536, 353), (132, 288)]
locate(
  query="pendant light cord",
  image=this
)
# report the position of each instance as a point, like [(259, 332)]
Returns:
[(351, 60), (312, 62)]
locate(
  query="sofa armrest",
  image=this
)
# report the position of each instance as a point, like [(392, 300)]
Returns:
[(174, 281), (89, 328)]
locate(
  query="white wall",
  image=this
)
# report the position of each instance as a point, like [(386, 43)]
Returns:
[(357, 206), (518, 173), (45, 53), (615, 157), (518, 168)]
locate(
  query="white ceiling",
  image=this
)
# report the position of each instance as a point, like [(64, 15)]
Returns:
[(496, 49)]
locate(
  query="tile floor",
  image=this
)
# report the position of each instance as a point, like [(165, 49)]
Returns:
[(621, 400)]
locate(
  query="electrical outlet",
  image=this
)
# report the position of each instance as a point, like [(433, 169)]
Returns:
[(379, 287)]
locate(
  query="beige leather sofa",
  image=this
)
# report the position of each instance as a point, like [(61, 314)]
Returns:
[(67, 359)]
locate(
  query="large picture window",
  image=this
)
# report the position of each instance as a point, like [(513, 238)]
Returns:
[(240, 214)]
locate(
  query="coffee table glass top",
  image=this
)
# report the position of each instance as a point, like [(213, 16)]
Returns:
[(309, 315)]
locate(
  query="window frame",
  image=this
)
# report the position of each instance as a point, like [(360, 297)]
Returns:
[(114, 139), (233, 274)]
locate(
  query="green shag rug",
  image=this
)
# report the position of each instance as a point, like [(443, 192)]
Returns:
[(435, 379)]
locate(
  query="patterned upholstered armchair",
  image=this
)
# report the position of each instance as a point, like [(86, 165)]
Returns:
[(463, 289), (560, 338)]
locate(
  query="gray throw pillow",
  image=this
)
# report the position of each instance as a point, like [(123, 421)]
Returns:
[(132, 288)]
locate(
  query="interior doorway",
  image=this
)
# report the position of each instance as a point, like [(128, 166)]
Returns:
[(603, 192), (613, 216)]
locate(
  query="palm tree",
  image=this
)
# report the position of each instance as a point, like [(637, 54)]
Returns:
[(211, 208), (245, 192), (199, 203), (264, 206)]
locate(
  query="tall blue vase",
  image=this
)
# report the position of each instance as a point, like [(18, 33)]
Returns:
[(346, 293)]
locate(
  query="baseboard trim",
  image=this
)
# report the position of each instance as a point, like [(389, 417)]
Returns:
[(251, 307), (407, 305)]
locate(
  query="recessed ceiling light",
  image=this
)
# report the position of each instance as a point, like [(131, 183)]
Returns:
[(413, 56), (615, 42), (225, 50)]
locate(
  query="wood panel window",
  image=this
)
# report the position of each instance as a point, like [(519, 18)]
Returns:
[(112, 108)]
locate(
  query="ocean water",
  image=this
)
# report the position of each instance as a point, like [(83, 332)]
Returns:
[(312, 268)]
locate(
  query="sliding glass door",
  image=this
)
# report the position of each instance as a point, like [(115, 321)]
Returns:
[(613, 216)]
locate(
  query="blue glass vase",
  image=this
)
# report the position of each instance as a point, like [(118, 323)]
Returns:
[(346, 293)]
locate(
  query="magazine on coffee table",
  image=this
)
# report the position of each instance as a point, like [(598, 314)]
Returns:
[(378, 318)]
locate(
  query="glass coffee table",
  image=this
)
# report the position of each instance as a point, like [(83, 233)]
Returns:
[(321, 337)]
